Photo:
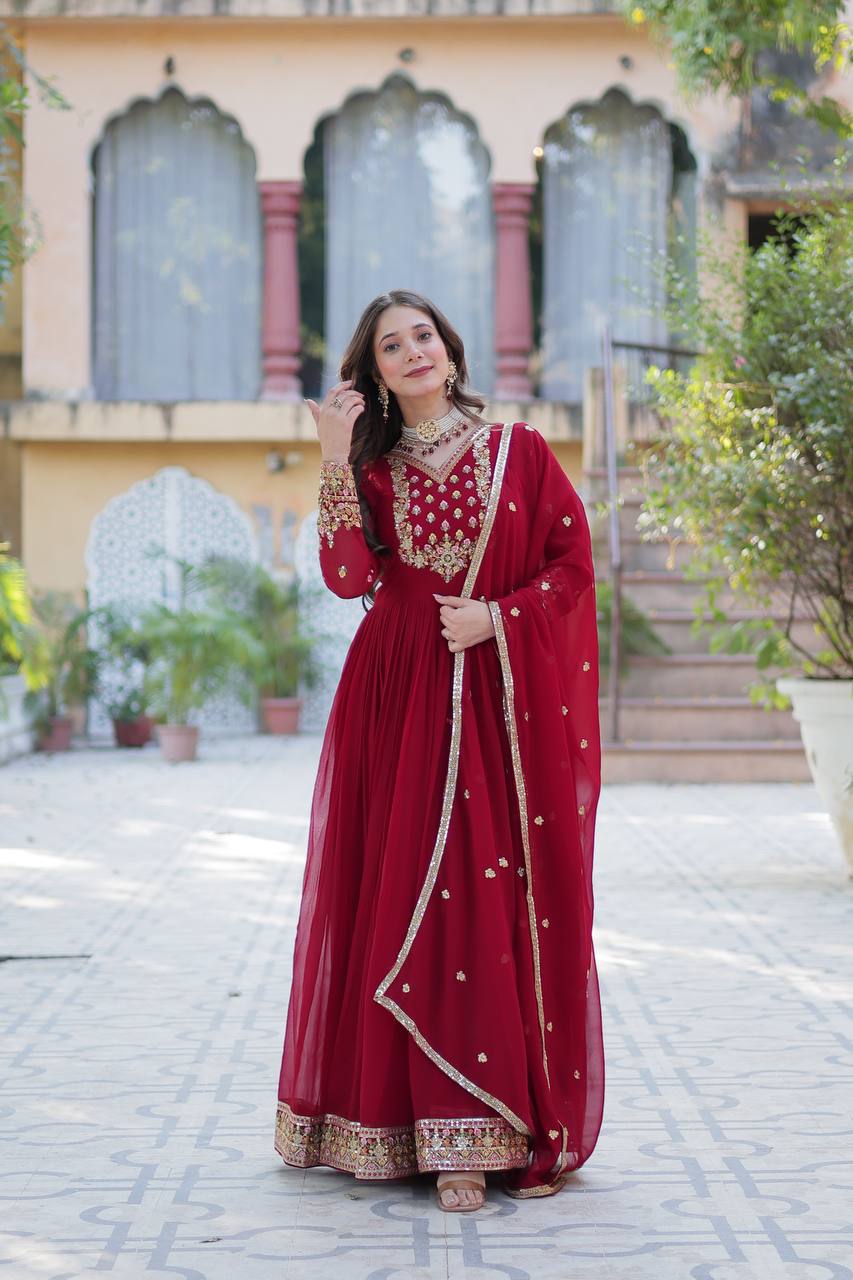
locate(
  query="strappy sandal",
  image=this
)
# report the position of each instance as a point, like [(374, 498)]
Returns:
[(452, 1182)]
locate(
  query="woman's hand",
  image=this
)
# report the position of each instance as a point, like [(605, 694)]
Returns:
[(335, 421), (464, 622)]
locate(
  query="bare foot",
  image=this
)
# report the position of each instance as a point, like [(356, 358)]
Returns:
[(455, 1197)]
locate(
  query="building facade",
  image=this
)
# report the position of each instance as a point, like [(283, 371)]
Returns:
[(233, 181)]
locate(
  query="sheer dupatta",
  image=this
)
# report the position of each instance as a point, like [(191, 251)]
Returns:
[(533, 566)]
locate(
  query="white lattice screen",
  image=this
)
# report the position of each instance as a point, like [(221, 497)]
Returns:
[(188, 518)]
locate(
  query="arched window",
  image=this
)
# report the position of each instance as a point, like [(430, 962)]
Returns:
[(177, 256), (617, 196), (408, 206)]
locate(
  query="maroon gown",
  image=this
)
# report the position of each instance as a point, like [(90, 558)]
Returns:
[(444, 1010)]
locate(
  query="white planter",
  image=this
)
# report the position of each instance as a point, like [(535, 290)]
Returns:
[(824, 709), (16, 734)]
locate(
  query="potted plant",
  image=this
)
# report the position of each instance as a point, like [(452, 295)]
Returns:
[(69, 667), (757, 471), (132, 725), (126, 658), (20, 667), (284, 654), (195, 652)]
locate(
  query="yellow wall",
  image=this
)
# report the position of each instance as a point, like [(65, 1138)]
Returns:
[(11, 302), (514, 77), (10, 494), (66, 485)]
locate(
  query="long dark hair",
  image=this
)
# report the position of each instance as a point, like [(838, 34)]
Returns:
[(373, 435)]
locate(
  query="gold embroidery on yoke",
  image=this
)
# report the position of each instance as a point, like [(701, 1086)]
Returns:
[(398, 1151), (445, 555), (521, 792)]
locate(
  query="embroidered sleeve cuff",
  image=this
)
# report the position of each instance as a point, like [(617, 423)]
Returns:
[(338, 500)]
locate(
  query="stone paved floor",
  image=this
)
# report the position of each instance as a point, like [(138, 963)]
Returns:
[(139, 1061)]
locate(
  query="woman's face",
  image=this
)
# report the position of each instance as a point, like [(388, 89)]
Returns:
[(411, 358)]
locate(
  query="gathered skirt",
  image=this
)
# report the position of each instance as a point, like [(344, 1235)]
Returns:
[(357, 1091)]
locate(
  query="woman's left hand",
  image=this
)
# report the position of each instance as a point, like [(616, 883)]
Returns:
[(464, 622)]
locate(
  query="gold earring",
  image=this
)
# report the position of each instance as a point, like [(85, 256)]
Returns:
[(383, 397), (451, 378)]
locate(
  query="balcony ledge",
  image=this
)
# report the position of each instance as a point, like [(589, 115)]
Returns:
[(224, 422), (313, 9)]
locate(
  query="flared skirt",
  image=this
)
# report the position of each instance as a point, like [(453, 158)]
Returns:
[(357, 1090)]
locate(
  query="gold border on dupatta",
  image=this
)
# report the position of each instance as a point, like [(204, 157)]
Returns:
[(521, 792), (447, 804)]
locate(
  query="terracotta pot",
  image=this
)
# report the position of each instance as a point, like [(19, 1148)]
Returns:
[(178, 742), (58, 737), (281, 715), (133, 733)]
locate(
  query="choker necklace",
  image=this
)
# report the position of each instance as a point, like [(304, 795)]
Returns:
[(433, 432)]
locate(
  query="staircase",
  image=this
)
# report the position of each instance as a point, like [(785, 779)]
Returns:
[(684, 716)]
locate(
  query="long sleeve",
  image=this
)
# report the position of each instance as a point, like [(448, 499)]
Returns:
[(347, 564), (565, 570)]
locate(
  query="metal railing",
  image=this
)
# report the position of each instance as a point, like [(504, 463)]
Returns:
[(608, 345)]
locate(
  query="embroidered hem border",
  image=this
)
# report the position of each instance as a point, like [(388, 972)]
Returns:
[(426, 1146)]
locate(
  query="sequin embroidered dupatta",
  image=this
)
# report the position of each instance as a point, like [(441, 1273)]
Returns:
[(531, 1047)]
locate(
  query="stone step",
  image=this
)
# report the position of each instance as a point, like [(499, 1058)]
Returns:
[(640, 554), (676, 761), (599, 523), (629, 480), (699, 719), (698, 674), (674, 627), (672, 589)]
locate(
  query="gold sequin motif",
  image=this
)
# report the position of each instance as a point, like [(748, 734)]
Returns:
[(451, 553)]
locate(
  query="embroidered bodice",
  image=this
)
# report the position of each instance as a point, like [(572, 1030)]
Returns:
[(436, 513)]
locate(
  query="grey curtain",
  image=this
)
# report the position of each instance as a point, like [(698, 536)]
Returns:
[(607, 187), (177, 256), (408, 206)]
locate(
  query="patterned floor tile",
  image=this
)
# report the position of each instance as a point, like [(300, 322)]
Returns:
[(152, 910)]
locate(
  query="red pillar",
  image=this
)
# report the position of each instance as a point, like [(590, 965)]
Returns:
[(280, 333), (513, 309)]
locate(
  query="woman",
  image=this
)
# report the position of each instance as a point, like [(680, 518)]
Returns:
[(444, 1014)]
